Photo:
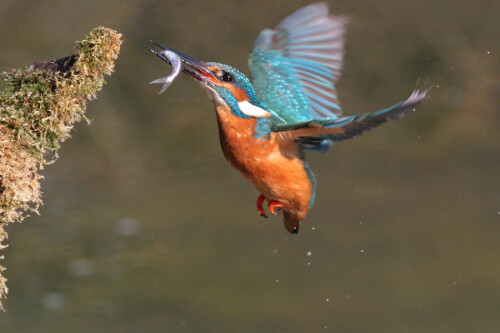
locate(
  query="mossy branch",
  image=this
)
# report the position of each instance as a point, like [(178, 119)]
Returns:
[(38, 109)]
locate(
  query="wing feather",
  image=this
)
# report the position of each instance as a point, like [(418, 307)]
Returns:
[(313, 133), (295, 66)]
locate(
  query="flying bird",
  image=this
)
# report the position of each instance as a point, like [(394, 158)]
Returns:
[(266, 124)]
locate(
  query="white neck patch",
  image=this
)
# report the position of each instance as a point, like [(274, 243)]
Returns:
[(214, 96), (253, 111)]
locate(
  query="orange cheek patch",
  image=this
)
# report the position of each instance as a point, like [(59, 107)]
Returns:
[(239, 94)]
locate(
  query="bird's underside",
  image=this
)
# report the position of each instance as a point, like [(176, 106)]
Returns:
[(275, 167)]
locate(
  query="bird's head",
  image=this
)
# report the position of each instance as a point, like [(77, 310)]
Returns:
[(224, 84)]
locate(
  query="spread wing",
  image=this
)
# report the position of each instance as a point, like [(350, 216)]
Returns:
[(294, 67), (318, 134)]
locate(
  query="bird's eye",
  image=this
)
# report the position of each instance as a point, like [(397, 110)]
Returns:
[(227, 77)]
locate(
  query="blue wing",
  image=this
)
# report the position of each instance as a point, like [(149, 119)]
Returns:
[(294, 67), (318, 134)]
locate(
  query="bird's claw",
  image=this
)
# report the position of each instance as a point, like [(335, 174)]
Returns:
[(274, 206), (260, 201)]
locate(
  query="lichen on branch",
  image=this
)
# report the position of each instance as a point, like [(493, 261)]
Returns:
[(38, 109)]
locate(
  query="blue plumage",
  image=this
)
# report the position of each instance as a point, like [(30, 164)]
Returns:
[(295, 66), (347, 127)]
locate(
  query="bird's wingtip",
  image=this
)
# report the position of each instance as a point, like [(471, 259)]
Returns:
[(417, 96)]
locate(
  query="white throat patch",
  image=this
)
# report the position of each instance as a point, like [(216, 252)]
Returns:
[(214, 96), (246, 107), (252, 111)]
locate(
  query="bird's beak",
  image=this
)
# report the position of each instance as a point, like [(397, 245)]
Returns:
[(194, 68)]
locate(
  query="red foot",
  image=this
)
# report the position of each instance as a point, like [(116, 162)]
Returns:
[(260, 201), (275, 207)]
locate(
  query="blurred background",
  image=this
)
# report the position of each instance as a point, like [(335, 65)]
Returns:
[(146, 227)]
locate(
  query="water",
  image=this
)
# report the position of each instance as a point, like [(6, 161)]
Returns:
[(146, 228)]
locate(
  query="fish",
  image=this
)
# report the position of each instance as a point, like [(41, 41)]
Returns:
[(176, 62)]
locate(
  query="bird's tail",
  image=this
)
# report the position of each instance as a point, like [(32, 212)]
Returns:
[(291, 221)]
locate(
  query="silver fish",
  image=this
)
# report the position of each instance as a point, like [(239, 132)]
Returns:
[(177, 67)]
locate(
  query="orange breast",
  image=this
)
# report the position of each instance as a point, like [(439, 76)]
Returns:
[(275, 169)]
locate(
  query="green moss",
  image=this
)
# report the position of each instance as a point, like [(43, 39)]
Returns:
[(38, 109), (26, 106)]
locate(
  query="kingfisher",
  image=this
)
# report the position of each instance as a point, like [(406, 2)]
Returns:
[(290, 106)]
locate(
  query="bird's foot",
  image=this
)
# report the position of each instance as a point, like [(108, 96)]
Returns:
[(275, 207), (260, 201)]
